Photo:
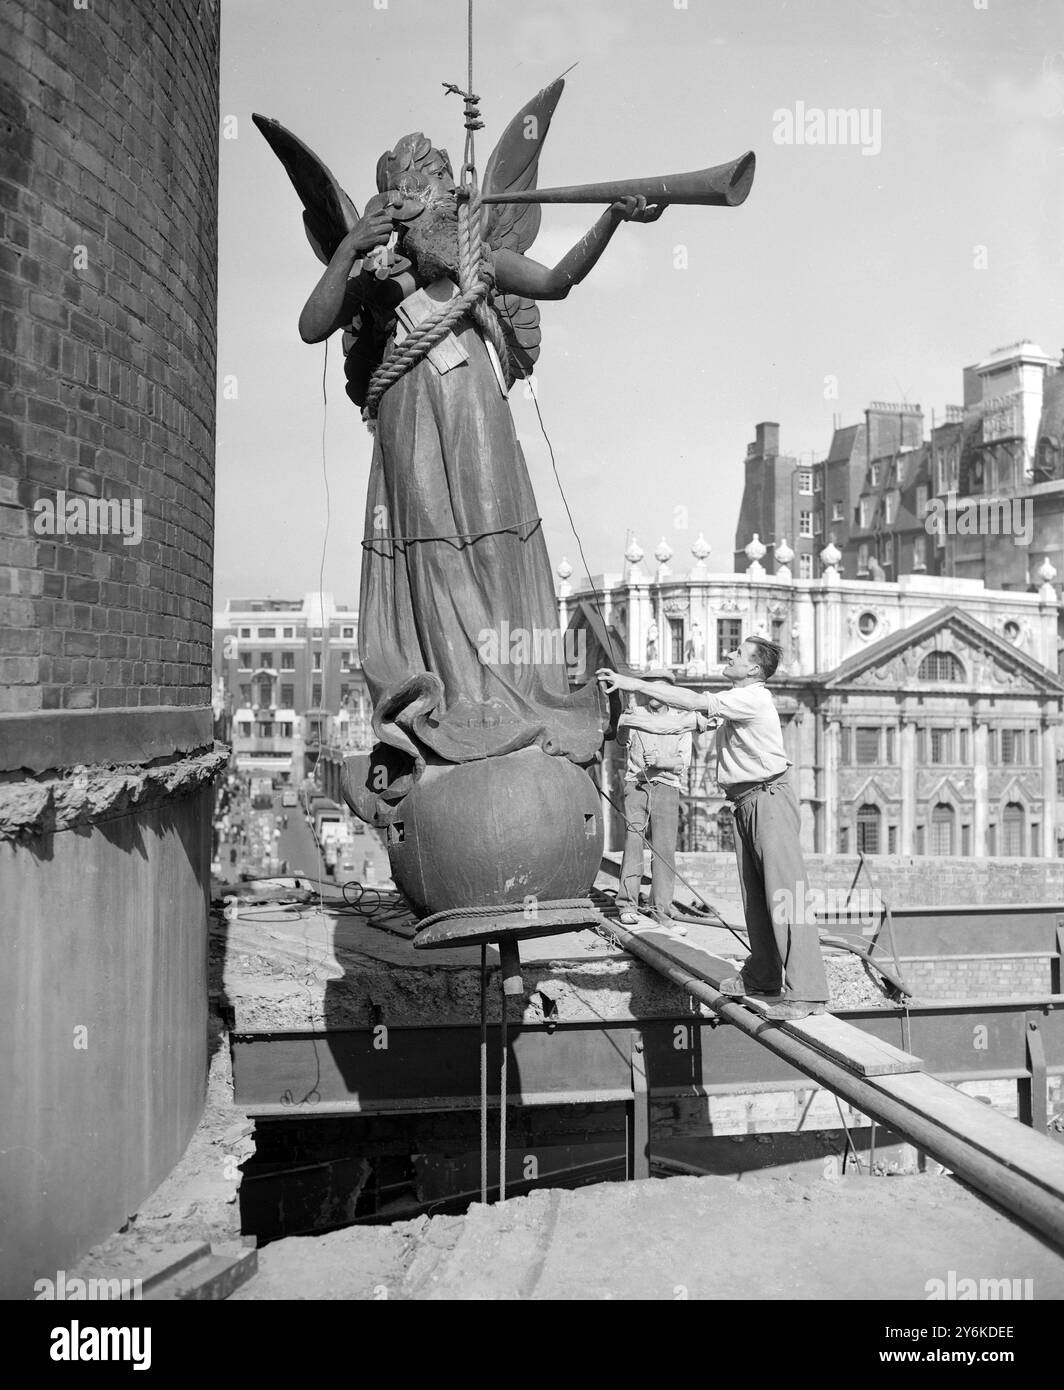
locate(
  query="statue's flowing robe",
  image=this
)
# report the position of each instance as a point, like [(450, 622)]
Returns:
[(440, 619)]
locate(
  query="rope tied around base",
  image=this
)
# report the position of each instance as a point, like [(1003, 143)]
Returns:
[(476, 280), (506, 909)]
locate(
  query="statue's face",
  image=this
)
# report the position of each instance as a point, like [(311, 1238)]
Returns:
[(417, 170), (425, 187)]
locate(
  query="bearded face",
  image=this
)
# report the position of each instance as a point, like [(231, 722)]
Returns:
[(421, 175), (430, 240)]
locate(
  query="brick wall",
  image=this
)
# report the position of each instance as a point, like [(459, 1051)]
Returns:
[(979, 977), (902, 882), (108, 194), (108, 230)]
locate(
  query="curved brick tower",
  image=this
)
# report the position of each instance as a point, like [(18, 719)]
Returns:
[(108, 198)]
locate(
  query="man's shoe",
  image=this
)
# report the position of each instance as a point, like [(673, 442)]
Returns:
[(791, 1010), (628, 917), (733, 986), (737, 987), (669, 923)]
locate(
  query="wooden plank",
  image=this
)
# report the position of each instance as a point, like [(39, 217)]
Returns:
[(852, 1048), (211, 1277), (857, 1051), (708, 968), (998, 1136)]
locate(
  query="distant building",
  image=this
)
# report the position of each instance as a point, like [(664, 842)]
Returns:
[(288, 680), (783, 499), (922, 716), (981, 498)]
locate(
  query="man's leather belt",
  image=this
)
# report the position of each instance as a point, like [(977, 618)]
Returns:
[(743, 791)]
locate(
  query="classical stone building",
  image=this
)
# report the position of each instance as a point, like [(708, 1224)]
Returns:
[(922, 716)]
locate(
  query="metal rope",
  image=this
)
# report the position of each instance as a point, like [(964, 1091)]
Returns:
[(532, 521), (505, 909)]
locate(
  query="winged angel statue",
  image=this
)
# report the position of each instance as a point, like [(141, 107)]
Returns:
[(453, 544)]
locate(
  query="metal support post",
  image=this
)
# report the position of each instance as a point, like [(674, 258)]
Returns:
[(1032, 1091), (639, 1125), (484, 1072)]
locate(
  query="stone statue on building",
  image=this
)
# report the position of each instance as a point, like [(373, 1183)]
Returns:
[(696, 649), (652, 644)]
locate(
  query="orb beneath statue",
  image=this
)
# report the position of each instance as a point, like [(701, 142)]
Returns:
[(497, 831)]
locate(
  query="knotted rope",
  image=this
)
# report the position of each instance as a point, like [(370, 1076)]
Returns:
[(476, 279)]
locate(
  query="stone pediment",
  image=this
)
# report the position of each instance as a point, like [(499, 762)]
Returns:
[(875, 791), (989, 661), (951, 790), (1019, 787)]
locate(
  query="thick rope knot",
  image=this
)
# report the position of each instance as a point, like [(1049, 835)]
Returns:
[(476, 280)]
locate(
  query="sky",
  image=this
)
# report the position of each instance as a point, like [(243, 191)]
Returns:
[(869, 270)]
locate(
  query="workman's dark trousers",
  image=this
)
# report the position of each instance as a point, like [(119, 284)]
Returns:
[(784, 942), (658, 806)]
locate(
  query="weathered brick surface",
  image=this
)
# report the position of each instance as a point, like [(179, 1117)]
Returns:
[(979, 977), (108, 184), (903, 882)]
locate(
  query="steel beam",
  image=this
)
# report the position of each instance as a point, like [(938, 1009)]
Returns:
[(438, 1068), (1021, 1171)]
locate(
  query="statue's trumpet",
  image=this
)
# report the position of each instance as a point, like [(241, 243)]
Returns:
[(725, 185)]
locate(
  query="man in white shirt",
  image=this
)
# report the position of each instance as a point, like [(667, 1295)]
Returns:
[(785, 964)]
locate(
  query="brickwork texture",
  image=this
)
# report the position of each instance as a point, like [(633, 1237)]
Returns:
[(108, 199), (902, 882)]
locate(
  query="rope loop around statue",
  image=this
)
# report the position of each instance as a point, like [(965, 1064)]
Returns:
[(476, 280)]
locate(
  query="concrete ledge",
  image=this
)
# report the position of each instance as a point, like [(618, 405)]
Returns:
[(34, 807), (40, 742)]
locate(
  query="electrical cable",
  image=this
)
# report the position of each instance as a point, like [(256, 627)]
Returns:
[(613, 657)]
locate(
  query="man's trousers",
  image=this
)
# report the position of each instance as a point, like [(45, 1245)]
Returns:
[(654, 810), (784, 941)]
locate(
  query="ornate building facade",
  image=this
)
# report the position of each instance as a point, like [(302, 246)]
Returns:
[(923, 716), (288, 681)]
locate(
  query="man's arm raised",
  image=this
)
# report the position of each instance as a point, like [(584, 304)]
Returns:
[(668, 694)]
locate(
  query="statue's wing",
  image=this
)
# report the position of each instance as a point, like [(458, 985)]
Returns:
[(329, 214), (514, 167)]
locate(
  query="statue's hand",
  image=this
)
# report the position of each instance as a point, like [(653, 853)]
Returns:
[(635, 209), (373, 229)]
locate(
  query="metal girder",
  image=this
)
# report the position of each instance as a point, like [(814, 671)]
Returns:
[(412, 1069), (981, 929)]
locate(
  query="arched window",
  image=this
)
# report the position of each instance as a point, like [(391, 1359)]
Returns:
[(942, 837), (868, 837), (725, 830), (941, 667), (1012, 829)]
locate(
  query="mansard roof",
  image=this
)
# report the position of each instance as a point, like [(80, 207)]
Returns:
[(843, 443)]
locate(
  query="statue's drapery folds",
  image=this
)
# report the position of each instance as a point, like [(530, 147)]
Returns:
[(453, 564)]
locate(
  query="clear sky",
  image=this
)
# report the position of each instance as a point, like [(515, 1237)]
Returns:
[(886, 271)]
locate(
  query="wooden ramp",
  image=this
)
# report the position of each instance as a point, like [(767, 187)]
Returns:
[(1021, 1170), (850, 1047)]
